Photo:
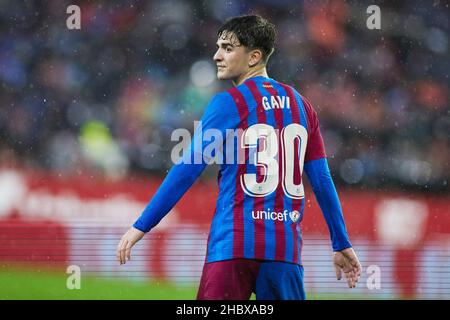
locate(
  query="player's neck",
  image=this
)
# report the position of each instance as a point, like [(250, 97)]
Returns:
[(262, 71)]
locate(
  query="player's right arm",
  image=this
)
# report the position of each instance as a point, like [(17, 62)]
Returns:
[(181, 177), (177, 182), (217, 116)]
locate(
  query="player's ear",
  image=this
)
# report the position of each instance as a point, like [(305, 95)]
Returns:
[(255, 57)]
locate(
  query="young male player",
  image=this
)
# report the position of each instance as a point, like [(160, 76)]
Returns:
[(255, 240)]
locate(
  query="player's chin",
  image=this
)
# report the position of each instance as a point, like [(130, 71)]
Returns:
[(221, 75)]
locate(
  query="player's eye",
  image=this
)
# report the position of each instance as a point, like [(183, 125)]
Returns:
[(228, 49)]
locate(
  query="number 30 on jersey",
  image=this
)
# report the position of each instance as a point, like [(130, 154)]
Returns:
[(267, 157)]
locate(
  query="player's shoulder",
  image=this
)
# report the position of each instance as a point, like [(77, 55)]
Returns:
[(232, 96), (289, 89), (221, 105), (221, 97), (286, 86), (233, 92), (305, 101), (307, 105), (217, 102)]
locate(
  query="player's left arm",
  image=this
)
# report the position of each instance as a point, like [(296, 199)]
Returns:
[(344, 257), (318, 172)]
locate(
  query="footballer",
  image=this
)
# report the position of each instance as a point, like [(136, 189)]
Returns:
[(255, 240)]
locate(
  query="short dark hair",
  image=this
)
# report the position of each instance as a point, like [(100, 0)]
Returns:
[(252, 31)]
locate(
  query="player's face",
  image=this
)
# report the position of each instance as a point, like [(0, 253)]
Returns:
[(231, 58)]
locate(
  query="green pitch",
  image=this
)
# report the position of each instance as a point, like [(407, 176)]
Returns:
[(18, 284), (25, 284)]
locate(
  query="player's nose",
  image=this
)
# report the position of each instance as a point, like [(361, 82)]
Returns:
[(217, 56)]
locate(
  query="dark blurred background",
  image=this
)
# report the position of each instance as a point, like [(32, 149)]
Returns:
[(105, 99)]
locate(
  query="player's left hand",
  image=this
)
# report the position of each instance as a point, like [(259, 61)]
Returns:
[(128, 240), (346, 261)]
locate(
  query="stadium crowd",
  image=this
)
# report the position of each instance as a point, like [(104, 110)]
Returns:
[(107, 97)]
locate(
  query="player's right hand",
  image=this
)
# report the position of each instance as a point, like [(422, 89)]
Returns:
[(128, 240), (347, 262)]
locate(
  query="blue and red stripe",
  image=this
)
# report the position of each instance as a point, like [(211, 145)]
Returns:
[(258, 202), (296, 203), (238, 209), (280, 237)]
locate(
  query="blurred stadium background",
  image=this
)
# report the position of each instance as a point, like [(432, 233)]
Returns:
[(86, 118)]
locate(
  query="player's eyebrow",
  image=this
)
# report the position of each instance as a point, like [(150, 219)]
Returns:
[(224, 44)]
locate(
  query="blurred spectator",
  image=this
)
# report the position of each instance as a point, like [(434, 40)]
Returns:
[(136, 71)]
